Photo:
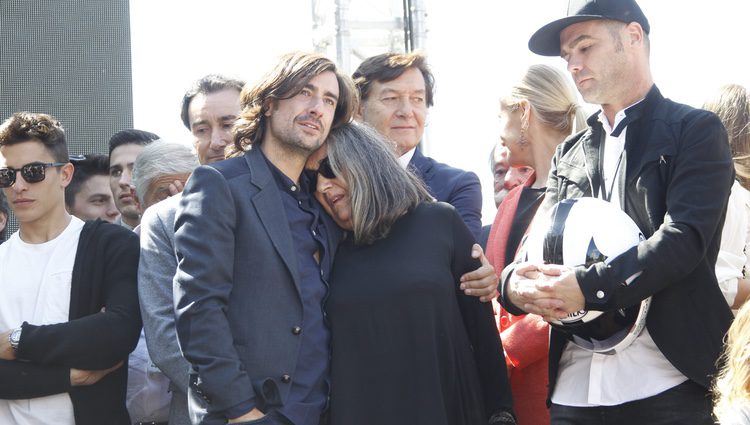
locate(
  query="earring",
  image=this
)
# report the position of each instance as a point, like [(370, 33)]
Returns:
[(522, 140)]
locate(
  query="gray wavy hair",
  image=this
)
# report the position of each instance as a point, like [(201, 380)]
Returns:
[(158, 159), (380, 190)]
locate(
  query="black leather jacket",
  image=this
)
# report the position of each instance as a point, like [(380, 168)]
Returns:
[(678, 175)]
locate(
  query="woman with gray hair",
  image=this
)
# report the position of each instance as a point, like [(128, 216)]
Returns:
[(408, 347)]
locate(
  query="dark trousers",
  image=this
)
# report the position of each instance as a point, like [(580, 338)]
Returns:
[(685, 404)]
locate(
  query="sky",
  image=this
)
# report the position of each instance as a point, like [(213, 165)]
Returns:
[(476, 50)]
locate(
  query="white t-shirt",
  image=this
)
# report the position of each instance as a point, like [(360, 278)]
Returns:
[(733, 261), (36, 288), (739, 414)]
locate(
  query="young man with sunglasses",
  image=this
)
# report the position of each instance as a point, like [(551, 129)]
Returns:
[(68, 302)]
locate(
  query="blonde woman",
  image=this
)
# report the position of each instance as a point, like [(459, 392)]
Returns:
[(732, 105), (732, 386), (538, 113)]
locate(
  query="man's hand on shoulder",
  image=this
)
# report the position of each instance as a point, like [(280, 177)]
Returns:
[(481, 282)]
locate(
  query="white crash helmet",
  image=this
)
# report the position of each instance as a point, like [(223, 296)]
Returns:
[(584, 231)]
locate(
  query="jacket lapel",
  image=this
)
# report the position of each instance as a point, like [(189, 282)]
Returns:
[(421, 166), (592, 153), (636, 147), (270, 210)]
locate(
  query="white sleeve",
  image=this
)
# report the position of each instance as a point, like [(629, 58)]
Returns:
[(734, 240)]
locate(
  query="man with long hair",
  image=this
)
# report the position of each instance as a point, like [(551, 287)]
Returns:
[(255, 250)]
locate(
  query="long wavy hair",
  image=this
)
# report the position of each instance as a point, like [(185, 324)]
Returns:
[(380, 190), (732, 105), (288, 78), (732, 385)]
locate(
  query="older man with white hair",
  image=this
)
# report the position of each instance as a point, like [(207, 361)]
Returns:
[(159, 171)]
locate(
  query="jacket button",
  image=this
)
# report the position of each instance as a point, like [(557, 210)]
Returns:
[(600, 294), (296, 330), (286, 379)]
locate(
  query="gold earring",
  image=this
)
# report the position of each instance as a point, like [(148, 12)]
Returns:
[(522, 140)]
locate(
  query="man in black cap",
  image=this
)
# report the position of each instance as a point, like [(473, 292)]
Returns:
[(669, 168)]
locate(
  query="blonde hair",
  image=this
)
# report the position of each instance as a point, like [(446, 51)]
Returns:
[(732, 105), (553, 97), (732, 385)]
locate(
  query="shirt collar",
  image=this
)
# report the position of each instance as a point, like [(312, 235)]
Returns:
[(619, 119), (284, 182), (406, 158)]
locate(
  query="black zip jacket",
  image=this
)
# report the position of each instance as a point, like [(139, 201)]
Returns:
[(103, 328), (678, 175)]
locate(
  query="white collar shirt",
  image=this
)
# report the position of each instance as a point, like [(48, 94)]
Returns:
[(405, 159)]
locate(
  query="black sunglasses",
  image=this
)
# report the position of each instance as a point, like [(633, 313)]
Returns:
[(325, 170), (32, 173)]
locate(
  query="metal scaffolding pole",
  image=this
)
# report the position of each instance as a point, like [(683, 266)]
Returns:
[(343, 36)]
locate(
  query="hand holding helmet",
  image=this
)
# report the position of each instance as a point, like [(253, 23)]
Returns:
[(578, 232)]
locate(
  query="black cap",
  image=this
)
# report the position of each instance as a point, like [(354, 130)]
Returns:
[(546, 41)]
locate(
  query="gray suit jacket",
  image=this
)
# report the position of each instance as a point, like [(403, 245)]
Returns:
[(237, 296), (156, 270)]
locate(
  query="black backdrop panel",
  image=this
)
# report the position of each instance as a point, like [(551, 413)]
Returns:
[(71, 59)]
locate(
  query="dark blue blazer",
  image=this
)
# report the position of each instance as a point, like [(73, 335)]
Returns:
[(237, 296), (452, 185)]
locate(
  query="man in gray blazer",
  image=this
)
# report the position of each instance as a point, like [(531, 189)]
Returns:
[(159, 166), (209, 108)]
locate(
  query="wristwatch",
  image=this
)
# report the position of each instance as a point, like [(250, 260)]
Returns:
[(14, 338)]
